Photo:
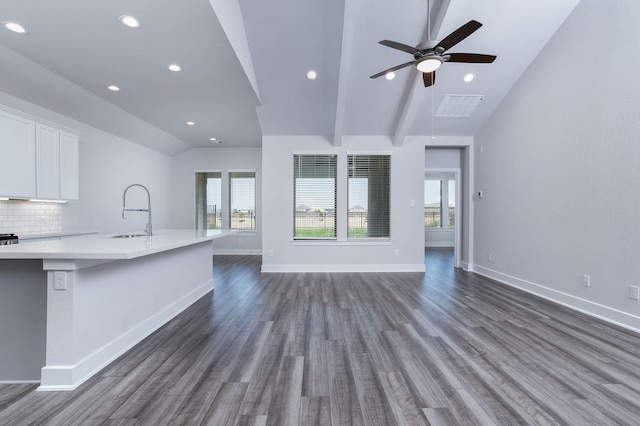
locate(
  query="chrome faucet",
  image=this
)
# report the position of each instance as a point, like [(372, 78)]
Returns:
[(148, 229)]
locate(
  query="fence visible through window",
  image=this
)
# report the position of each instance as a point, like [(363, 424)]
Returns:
[(214, 217), (243, 219), (433, 219)]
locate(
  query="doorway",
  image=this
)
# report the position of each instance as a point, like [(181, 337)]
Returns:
[(444, 195)]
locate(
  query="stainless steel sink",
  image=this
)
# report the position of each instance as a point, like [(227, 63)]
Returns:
[(128, 235)]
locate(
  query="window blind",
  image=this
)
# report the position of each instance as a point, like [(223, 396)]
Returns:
[(369, 196), (242, 195), (314, 196)]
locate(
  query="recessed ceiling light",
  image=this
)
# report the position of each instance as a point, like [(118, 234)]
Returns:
[(174, 67), (16, 28), (190, 123), (311, 75), (468, 77), (130, 21), (113, 88), (390, 75)]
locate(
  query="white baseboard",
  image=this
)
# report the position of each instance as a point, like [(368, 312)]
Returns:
[(605, 313), (19, 382), (343, 268), (77, 374), (436, 244)]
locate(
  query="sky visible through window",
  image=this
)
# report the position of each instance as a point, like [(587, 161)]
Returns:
[(244, 196), (306, 198), (214, 193), (432, 193)]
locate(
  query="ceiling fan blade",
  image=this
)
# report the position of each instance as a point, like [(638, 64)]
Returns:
[(397, 67), (472, 58), (429, 78), (399, 46), (458, 35)]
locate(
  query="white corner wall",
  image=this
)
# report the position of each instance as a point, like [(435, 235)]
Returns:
[(184, 193), (281, 254), (108, 164), (558, 165)]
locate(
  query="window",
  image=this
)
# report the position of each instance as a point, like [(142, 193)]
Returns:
[(369, 196), (242, 196), (439, 203), (432, 203), (452, 203), (314, 196), (208, 200)]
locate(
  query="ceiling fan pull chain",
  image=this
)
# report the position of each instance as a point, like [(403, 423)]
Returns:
[(428, 20), (433, 113)]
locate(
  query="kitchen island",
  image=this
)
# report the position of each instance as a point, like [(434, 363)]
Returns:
[(69, 307)]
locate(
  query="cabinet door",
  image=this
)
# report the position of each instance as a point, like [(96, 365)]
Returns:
[(18, 152), (47, 162), (69, 167)]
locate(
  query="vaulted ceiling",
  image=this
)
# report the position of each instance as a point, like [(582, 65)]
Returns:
[(244, 65)]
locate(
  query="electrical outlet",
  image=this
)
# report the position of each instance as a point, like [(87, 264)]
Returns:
[(586, 280), (397, 252), (490, 257), (270, 253), (634, 292)]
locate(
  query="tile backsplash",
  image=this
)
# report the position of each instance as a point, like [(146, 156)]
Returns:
[(25, 218)]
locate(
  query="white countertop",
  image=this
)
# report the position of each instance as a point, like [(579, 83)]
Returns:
[(106, 247)]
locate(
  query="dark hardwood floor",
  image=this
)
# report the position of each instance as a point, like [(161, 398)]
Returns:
[(446, 347)]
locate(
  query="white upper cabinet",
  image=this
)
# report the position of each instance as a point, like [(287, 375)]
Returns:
[(41, 161), (47, 162), (69, 167), (18, 152)]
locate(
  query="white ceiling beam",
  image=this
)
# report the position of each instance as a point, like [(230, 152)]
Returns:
[(411, 100), (351, 11), (231, 21)]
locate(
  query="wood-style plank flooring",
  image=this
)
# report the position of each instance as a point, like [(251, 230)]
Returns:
[(444, 348)]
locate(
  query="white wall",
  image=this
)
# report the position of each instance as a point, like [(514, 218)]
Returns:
[(407, 174), (108, 164), (559, 168), (183, 191)]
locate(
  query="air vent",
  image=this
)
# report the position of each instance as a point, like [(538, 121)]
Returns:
[(458, 105)]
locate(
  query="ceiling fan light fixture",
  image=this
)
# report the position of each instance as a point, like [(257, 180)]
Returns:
[(429, 64)]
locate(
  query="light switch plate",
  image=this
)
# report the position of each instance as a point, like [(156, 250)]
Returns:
[(59, 280)]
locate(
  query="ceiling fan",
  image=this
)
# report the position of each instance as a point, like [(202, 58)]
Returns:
[(430, 55)]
